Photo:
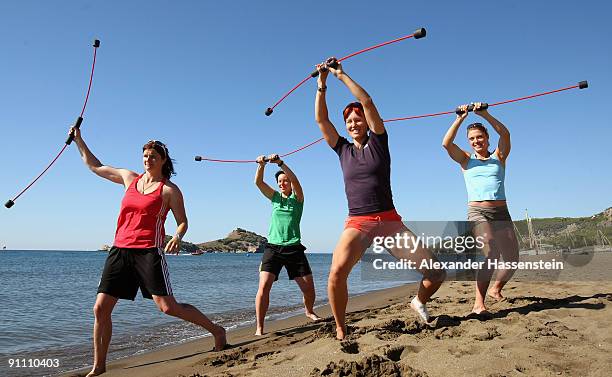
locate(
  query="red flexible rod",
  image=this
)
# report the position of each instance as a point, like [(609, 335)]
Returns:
[(78, 122), (580, 85), (420, 33)]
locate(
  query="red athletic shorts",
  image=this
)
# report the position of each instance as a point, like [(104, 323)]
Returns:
[(386, 223)]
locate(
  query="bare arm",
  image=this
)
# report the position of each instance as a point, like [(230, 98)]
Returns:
[(177, 206), (296, 187), (375, 122), (503, 146), (265, 189), (121, 176), (457, 154), (321, 115)]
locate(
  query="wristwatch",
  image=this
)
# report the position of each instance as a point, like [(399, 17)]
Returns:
[(322, 89)]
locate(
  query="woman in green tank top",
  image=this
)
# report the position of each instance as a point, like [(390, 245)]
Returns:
[(284, 247)]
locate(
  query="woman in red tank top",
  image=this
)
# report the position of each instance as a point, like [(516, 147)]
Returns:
[(137, 259)]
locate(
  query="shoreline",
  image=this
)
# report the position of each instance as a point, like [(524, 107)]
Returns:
[(241, 335)]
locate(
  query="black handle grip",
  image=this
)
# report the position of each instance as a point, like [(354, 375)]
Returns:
[(269, 111), (314, 73), (420, 33), (266, 159), (583, 84), (483, 106), (96, 43), (77, 124), (198, 158), (9, 204), (332, 63)]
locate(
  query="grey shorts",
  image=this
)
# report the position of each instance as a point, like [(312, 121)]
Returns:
[(499, 217)]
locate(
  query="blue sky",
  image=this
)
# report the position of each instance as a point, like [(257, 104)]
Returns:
[(199, 75)]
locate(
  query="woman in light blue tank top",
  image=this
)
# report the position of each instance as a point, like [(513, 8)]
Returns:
[(484, 174)]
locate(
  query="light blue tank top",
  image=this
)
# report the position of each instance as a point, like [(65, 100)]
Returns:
[(484, 179)]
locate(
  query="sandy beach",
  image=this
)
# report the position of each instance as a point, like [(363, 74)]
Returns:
[(544, 328)]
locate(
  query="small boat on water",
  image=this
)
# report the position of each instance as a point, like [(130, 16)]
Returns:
[(198, 252)]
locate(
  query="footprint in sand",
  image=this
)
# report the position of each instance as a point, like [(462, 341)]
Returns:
[(462, 351), (489, 334), (447, 332), (230, 359), (349, 346), (370, 366), (550, 329)]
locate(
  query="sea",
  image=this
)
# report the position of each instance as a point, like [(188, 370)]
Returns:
[(46, 301)]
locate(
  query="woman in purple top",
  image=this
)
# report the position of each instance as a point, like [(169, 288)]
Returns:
[(366, 167)]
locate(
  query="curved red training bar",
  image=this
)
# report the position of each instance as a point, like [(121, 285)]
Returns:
[(420, 33), (581, 85), (11, 202)]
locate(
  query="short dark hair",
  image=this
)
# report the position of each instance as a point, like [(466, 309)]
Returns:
[(278, 173), (478, 126), (159, 147)]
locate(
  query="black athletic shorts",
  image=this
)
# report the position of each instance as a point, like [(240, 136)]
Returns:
[(126, 270), (292, 257)]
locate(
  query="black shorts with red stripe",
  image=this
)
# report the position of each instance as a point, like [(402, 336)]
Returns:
[(126, 270)]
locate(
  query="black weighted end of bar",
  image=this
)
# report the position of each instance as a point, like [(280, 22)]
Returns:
[(314, 73), (583, 84), (420, 33), (96, 43), (484, 106), (458, 111), (269, 111), (198, 158), (9, 204)]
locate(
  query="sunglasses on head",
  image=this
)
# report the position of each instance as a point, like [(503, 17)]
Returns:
[(474, 125), (159, 144)]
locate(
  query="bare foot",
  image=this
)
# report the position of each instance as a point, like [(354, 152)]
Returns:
[(220, 339), (96, 372), (340, 333), (496, 295), (313, 316), (479, 309), (259, 331)]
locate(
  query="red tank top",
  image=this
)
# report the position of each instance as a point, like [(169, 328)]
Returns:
[(141, 219)]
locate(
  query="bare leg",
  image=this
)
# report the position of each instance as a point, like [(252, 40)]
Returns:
[(189, 313), (508, 246), (349, 249), (103, 329), (262, 300), (483, 277), (306, 285)]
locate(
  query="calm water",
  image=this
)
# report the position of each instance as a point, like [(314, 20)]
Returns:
[(47, 299)]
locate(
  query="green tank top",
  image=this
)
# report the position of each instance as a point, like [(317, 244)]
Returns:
[(285, 220)]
